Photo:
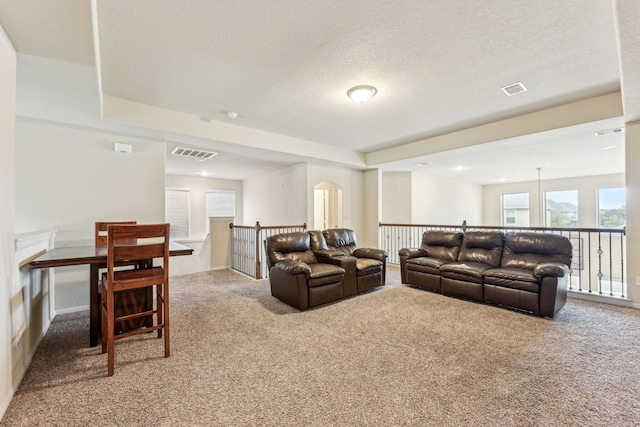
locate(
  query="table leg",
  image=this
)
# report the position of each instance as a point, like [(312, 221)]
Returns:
[(94, 306)]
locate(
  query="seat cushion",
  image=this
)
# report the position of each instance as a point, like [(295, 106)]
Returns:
[(465, 271), (368, 265), (322, 274), (425, 264), (514, 278)]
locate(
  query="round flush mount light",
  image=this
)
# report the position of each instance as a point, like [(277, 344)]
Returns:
[(232, 114), (362, 93)]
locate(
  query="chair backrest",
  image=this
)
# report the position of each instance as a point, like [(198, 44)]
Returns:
[(526, 250), (443, 245), (295, 246), (127, 243), (101, 230), (341, 239), (482, 246)]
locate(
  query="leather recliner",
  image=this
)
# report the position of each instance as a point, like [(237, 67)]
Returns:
[(365, 268), (296, 276)]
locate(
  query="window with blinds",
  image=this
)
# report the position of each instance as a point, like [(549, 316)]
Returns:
[(220, 204), (177, 213)]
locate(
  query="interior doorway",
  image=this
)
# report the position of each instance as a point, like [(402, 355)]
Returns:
[(327, 206)]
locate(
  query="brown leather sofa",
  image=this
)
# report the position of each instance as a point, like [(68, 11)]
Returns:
[(527, 271), (309, 269)]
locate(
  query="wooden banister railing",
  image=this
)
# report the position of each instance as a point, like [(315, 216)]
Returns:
[(246, 244)]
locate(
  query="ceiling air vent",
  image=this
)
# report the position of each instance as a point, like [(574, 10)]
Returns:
[(514, 88), (194, 154)]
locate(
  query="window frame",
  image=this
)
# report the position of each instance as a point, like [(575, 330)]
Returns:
[(177, 231)]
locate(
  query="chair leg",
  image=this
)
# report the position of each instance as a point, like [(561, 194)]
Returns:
[(165, 303), (110, 332), (103, 317), (159, 307)]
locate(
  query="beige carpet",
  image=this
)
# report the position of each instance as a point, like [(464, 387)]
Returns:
[(397, 356)]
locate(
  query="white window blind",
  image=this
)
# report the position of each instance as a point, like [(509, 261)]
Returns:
[(220, 204), (177, 213)]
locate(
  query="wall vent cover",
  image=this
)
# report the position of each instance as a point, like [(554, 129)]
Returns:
[(194, 154), (514, 88)]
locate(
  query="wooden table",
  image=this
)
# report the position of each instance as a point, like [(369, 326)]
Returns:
[(94, 256)]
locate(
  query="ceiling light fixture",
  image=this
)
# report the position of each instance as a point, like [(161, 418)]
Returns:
[(423, 164), (362, 93), (232, 114)]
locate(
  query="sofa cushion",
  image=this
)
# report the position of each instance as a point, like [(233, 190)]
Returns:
[(322, 274), (342, 239), (514, 278), (526, 250), (442, 244), (368, 265), (425, 264), (464, 271), (482, 246), (295, 246)]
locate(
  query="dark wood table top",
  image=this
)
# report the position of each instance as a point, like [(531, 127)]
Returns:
[(82, 255)]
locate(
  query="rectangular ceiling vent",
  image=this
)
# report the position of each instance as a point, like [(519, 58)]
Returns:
[(194, 154), (514, 88)]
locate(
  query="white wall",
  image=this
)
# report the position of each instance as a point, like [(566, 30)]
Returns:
[(7, 212), (90, 182), (372, 209), (587, 187), (413, 198), (276, 198), (436, 200), (396, 197), (632, 181)]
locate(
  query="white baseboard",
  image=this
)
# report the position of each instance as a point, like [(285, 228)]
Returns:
[(5, 403), (227, 267), (71, 310)]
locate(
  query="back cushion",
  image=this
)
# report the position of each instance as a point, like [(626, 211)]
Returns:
[(318, 243), (295, 246), (526, 250), (442, 244), (482, 246), (341, 239)]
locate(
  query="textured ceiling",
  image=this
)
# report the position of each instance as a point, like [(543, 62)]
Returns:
[(285, 67)]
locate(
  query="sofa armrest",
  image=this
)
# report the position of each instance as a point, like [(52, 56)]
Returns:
[(371, 253), (553, 269), (412, 252), (294, 267), (329, 254)]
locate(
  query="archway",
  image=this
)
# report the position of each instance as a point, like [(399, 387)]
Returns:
[(327, 206)]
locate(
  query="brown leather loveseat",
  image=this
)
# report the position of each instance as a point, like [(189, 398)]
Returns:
[(306, 271), (365, 268), (527, 271)]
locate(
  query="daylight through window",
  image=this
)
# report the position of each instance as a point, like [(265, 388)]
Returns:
[(515, 209)]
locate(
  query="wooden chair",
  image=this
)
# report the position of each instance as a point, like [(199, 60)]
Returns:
[(125, 301), (101, 231), (150, 241)]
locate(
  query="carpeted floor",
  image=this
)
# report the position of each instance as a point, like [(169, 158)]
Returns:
[(397, 356)]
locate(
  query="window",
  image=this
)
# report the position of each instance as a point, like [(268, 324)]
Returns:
[(561, 208), (515, 209), (177, 213), (220, 204), (612, 211)]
